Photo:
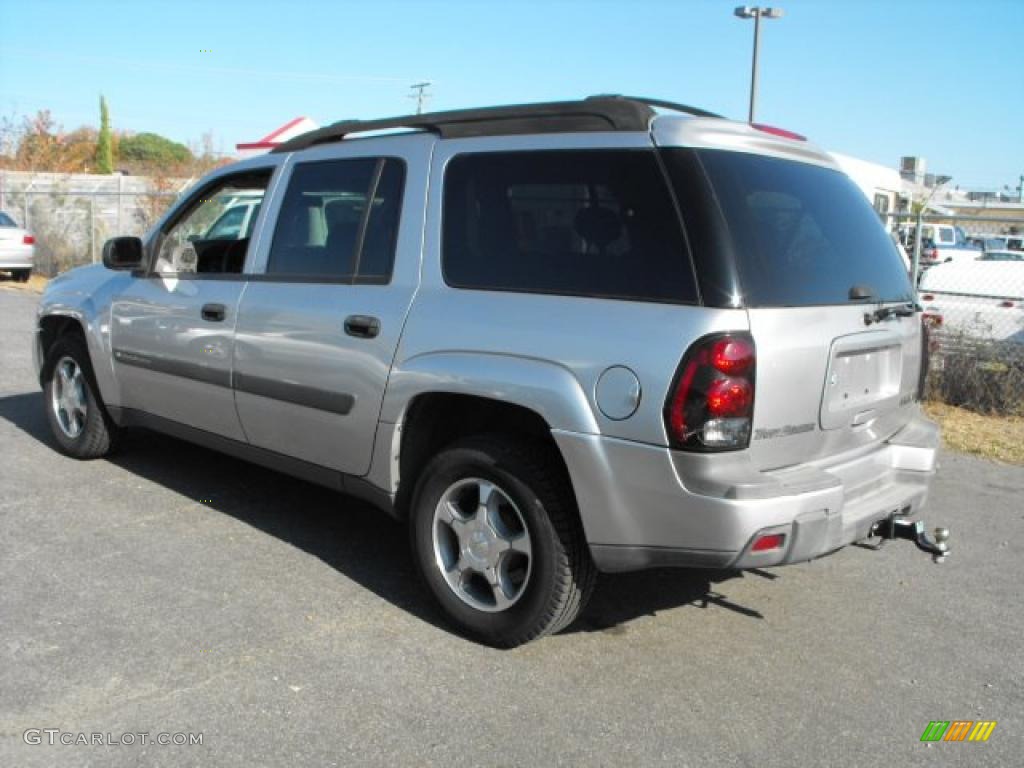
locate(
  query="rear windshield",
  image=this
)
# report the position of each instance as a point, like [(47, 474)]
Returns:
[(803, 235)]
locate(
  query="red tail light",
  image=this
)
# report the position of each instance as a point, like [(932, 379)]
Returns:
[(927, 297), (1007, 304), (28, 240), (732, 355), (931, 254), (769, 541), (711, 403)]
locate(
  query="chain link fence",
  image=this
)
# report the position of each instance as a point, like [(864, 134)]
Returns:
[(970, 281), (71, 215)]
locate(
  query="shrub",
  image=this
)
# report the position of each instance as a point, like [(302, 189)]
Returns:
[(982, 376)]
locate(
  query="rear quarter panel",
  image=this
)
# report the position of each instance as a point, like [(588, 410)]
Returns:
[(545, 352)]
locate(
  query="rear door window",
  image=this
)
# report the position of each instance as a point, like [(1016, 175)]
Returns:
[(595, 223), (802, 235)]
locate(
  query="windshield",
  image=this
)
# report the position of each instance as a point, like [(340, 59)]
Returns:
[(802, 235)]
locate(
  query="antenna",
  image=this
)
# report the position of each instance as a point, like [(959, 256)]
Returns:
[(421, 95)]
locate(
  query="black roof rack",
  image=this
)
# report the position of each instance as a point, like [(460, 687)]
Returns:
[(660, 103), (606, 112)]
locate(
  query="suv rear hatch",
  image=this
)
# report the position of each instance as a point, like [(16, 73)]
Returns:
[(829, 302)]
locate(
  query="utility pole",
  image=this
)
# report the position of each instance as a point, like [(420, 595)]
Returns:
[(915, 264), (421, 95)]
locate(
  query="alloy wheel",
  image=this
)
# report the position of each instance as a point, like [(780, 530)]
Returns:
[(481, 545)]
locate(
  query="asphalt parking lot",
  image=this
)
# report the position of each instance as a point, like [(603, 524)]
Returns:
[(174, 590)]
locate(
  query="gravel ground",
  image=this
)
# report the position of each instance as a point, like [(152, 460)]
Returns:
[(174, 590)]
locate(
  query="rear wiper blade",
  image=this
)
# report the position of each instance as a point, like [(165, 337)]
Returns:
[(884, 313), (860, 291)]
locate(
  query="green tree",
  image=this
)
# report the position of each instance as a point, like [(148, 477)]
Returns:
[(150, 150), (104, 144)]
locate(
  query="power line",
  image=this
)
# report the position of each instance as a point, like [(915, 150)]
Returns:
[(178, 66)]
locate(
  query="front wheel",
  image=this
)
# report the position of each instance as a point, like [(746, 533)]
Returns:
[(77, 418), (497, 539)]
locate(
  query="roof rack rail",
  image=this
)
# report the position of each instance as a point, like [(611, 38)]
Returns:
[(595, 113), (661, 103)]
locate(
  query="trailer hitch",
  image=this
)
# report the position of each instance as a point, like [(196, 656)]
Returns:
[(913, 530)]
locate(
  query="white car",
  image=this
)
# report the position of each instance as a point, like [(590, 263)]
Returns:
[(17, 249), (981, 299), (237, 220)]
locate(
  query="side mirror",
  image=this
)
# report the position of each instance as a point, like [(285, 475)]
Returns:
[(122, 253)]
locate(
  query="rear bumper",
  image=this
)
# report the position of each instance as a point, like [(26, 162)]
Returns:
[(644, 506), (17, 256)]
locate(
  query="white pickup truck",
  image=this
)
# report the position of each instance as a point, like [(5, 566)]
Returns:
[(940, 243)]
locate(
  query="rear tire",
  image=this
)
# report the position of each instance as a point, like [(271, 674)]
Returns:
[(74, 409), (22, 275), (526, 571)]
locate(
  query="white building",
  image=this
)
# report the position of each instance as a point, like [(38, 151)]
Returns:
[(883, 186)]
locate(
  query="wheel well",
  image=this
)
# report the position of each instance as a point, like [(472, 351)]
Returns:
[(436, 420), (52, 327)]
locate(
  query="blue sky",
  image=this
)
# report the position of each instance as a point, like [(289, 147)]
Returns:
[(873, 78)]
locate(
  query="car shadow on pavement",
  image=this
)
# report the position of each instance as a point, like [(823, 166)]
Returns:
[(25, 411), (623, 597), (352, 537)]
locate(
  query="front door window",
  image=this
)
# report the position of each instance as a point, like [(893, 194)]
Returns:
[(207, 236)]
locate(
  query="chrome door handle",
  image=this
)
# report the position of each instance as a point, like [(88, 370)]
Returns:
[(215, 313), (362, 326)]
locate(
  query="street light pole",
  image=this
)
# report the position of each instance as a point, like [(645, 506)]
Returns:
[(755, 13), (753, 67)]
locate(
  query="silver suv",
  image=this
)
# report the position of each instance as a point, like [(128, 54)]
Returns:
[(558, 339)]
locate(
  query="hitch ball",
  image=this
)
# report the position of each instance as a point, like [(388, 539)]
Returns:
[(941, 537)]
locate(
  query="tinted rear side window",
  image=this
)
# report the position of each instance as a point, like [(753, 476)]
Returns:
[(583, 223), (802, 235)]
